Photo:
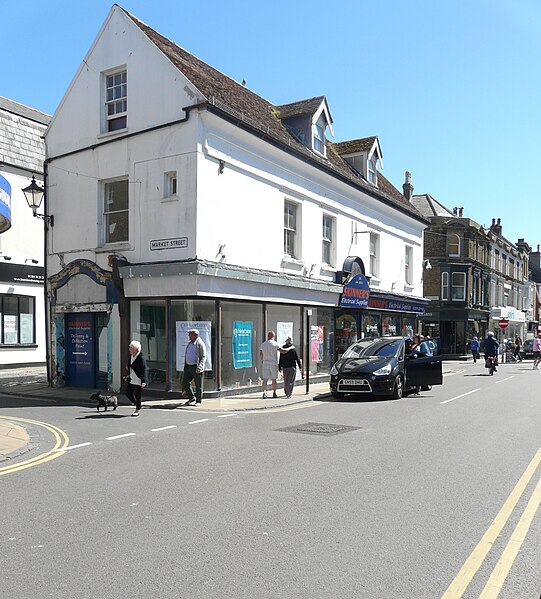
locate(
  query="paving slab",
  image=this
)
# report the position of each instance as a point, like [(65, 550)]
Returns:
[(13, 438)]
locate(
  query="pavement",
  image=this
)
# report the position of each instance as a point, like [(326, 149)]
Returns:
[(31, 383)]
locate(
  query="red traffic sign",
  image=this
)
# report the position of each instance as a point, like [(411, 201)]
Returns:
[(504, 323)]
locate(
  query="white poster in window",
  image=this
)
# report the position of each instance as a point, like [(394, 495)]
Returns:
[(283, 331), (10, 329), (27, 328), (182, 328)]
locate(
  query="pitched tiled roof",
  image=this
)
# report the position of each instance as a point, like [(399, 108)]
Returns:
[(301, 107), (21, 130), (252, 111), (429, 206), (355, 145)]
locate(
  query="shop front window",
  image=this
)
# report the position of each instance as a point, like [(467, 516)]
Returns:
[(408, 326), (321, 340), (241, 336), (147, 320), (371, 325), (389, 325), (346, 332), (201, 315)]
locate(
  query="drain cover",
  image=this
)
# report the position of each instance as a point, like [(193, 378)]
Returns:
[(319, 428)]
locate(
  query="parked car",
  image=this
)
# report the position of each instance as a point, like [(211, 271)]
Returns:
[(382, 366), (526, 351)]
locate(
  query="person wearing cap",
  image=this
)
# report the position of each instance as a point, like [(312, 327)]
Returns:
[(194, 366)]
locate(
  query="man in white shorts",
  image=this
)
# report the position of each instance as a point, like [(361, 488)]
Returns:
[(269, 356)]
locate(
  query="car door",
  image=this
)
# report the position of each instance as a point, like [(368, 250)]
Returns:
[(421, 371)]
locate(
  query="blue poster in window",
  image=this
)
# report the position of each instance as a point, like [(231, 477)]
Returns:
[(242, 344)]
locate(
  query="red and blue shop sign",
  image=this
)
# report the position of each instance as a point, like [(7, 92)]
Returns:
[(356, 293)]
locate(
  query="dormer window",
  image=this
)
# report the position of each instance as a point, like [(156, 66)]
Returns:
[(319, 137), (372, 170)]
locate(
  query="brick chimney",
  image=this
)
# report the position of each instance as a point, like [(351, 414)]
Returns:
[(496, 226), (408, 187)]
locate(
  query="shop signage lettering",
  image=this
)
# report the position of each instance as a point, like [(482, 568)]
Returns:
[(356, 293), (21, 273), (397, 306), (168, 244), (242, 344)]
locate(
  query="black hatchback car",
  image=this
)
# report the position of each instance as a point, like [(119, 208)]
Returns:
[(382, 366)]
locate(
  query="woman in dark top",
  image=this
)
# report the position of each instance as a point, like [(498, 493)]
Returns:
[(137, 377), (287, 364)]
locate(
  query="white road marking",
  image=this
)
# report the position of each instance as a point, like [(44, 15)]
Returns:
[(459, 396), (198, 421), (226, 415), (119, 436), (503, 380), (73, 446), (163, 428)]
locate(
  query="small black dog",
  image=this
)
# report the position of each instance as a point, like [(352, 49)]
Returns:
[(105, 400)]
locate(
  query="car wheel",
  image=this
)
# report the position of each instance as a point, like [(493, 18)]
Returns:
[(337, 394), (398, 390)]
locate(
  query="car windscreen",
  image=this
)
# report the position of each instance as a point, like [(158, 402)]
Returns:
[(367, 348)]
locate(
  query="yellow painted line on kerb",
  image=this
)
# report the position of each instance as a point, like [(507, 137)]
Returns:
[(473, 563), (61, 441)]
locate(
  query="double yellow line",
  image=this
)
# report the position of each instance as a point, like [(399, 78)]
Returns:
[(61, 441), (497, 579)]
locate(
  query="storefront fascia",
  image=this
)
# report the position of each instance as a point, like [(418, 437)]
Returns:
[(516, 326), (386, 314), (233, 308)]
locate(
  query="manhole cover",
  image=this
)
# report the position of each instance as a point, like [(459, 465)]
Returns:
[(319, 428)]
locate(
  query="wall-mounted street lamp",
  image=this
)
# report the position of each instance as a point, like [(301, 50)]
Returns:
[(427, 265), (34, 196)]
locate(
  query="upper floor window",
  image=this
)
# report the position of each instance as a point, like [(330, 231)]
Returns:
[(453, 244), (444, 286), (328, 240), (17, 322), (170, 185), (290, 229), (115, 211), (319, 137), (372, 172), (458, 286), (408, 265), (116, 100), (374, 254)]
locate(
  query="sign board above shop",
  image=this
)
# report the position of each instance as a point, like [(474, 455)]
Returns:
[(356, 293), (169, 244), (22, 274)]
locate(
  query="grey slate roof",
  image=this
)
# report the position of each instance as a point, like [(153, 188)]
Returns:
[(251, 110), (429, 206), (21, 130), (355, 145), (301, 107)]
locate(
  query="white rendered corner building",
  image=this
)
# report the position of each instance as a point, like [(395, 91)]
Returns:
[(22, 303), (208, 206)]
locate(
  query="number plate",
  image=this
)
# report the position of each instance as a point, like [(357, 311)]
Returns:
[(356, 382)]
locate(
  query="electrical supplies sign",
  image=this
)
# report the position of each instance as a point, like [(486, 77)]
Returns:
[(242, 344), (5, 204), (356, 293), (182, 328)]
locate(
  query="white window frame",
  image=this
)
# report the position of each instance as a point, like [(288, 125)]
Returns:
[(371, 167), (444, 286), (105, 235), (408, 264), (328, 236), (462, 297), (449, 244), (115, 108), (291, 229), (374, 254), (170, 188), (319, 143)]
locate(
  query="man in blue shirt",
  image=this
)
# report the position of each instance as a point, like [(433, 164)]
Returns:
[(194, 366)]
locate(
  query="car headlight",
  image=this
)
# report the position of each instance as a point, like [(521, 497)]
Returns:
[(334, 370), (383, 371)]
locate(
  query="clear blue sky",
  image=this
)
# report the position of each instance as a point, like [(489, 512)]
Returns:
[(452, 89)]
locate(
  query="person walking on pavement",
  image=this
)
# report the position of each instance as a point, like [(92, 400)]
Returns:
[(287, 364), (516, 349), (194, 366), (474, 347), (490, 349), (268, 353), (536, 351), (137, 375)]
